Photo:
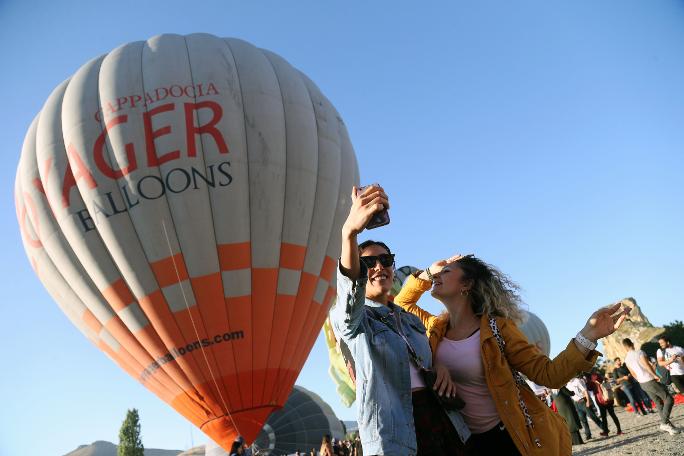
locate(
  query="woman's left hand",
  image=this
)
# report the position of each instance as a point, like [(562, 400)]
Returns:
[(444, 385), (605, 321)]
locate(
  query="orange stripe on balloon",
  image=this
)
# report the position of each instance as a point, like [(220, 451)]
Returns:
[(328, 268), (249, 421), (132, 368), (295, 322), (235, 256), (208, 291), (240, 314), (169, 270), (157, 311), (292, 256), (314, 325), (263, 302), (284, 309), (92, 321), (122, 335), (118, 295), (150, 340)]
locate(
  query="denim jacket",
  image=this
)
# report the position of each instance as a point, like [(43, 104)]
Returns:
[(383, 382)]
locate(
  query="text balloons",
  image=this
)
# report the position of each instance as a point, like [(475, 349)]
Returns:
[(181, 199)]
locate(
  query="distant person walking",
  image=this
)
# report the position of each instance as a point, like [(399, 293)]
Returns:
[(583, 404), (564, 404), (604, 398), (643, 372), (630, 387), (671, 357)]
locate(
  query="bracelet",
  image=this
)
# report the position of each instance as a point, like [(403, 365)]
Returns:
[(429, 274), (584, 342)]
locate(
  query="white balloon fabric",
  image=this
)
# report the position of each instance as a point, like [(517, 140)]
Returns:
[(181, 199), (535, 331)]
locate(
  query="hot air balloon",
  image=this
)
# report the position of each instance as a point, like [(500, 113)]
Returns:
[(341, 368), (400, 275), (300, 424), (535, 331), (181, 198)]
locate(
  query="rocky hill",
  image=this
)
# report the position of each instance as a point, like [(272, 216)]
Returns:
[(636, 327), (103, 448)]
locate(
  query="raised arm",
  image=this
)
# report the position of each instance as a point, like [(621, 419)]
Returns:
[(408, 297), (364, 205), (576, 357), (347, 314)]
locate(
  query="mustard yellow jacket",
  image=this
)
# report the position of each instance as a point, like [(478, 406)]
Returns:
[(548, 427)]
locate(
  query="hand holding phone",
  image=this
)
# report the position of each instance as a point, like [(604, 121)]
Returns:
[(380, 218)]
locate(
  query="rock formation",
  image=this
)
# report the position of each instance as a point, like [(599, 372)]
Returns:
[(104, 448), (636, 327)]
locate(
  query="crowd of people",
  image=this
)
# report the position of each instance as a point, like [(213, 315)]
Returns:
[(449, 384), (336, 447), (646, 385)]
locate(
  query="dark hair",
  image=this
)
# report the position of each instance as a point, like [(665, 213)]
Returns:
[(370, 242), (235, 446), (617, 359), (665, 338), (326, 439), (628, 342)]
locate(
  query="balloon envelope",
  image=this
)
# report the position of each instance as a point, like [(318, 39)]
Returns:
[(181, 199), (535, 331)]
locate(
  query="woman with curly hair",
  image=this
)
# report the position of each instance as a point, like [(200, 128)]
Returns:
[(478, 340)]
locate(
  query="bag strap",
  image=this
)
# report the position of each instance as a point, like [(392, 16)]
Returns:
[(397, 319), (517, 376)]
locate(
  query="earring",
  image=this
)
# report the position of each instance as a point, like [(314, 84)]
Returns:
[(465, 292)]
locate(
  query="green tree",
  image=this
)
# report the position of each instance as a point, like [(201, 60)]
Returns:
[(130, 443)]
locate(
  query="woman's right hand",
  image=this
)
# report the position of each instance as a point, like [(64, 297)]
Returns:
[(444, 385), (364, 205)]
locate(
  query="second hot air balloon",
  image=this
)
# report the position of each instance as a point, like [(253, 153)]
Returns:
[(181, 199)]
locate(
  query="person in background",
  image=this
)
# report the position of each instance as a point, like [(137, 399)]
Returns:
[(478, 340), (563, 399), (542, 392), (236, 449), (643, 372), (671, 357), (397, 414), (582, 403), (629, 386), (326, 446), (605, 402)]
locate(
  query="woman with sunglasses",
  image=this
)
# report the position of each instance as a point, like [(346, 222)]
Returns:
[(396, 414), (478, 340)]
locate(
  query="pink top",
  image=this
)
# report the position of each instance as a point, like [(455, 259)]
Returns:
[(416, 379), (464, 361)]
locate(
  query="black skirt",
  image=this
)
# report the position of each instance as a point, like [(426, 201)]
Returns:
[(435, 434)]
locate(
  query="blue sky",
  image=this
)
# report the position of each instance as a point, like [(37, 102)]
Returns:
[(545, 137)]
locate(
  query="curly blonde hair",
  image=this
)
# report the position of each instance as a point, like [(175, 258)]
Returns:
[(491, 291)]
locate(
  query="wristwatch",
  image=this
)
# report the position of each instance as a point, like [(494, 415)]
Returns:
[(584, 342)]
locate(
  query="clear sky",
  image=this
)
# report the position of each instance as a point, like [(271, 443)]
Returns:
[(546, 137)]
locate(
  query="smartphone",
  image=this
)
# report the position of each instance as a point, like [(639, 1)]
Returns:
[(380, 218)]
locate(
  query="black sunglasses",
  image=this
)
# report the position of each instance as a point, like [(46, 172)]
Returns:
[(385, 259)]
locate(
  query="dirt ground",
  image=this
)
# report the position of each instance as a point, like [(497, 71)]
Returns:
[(641, 436)]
